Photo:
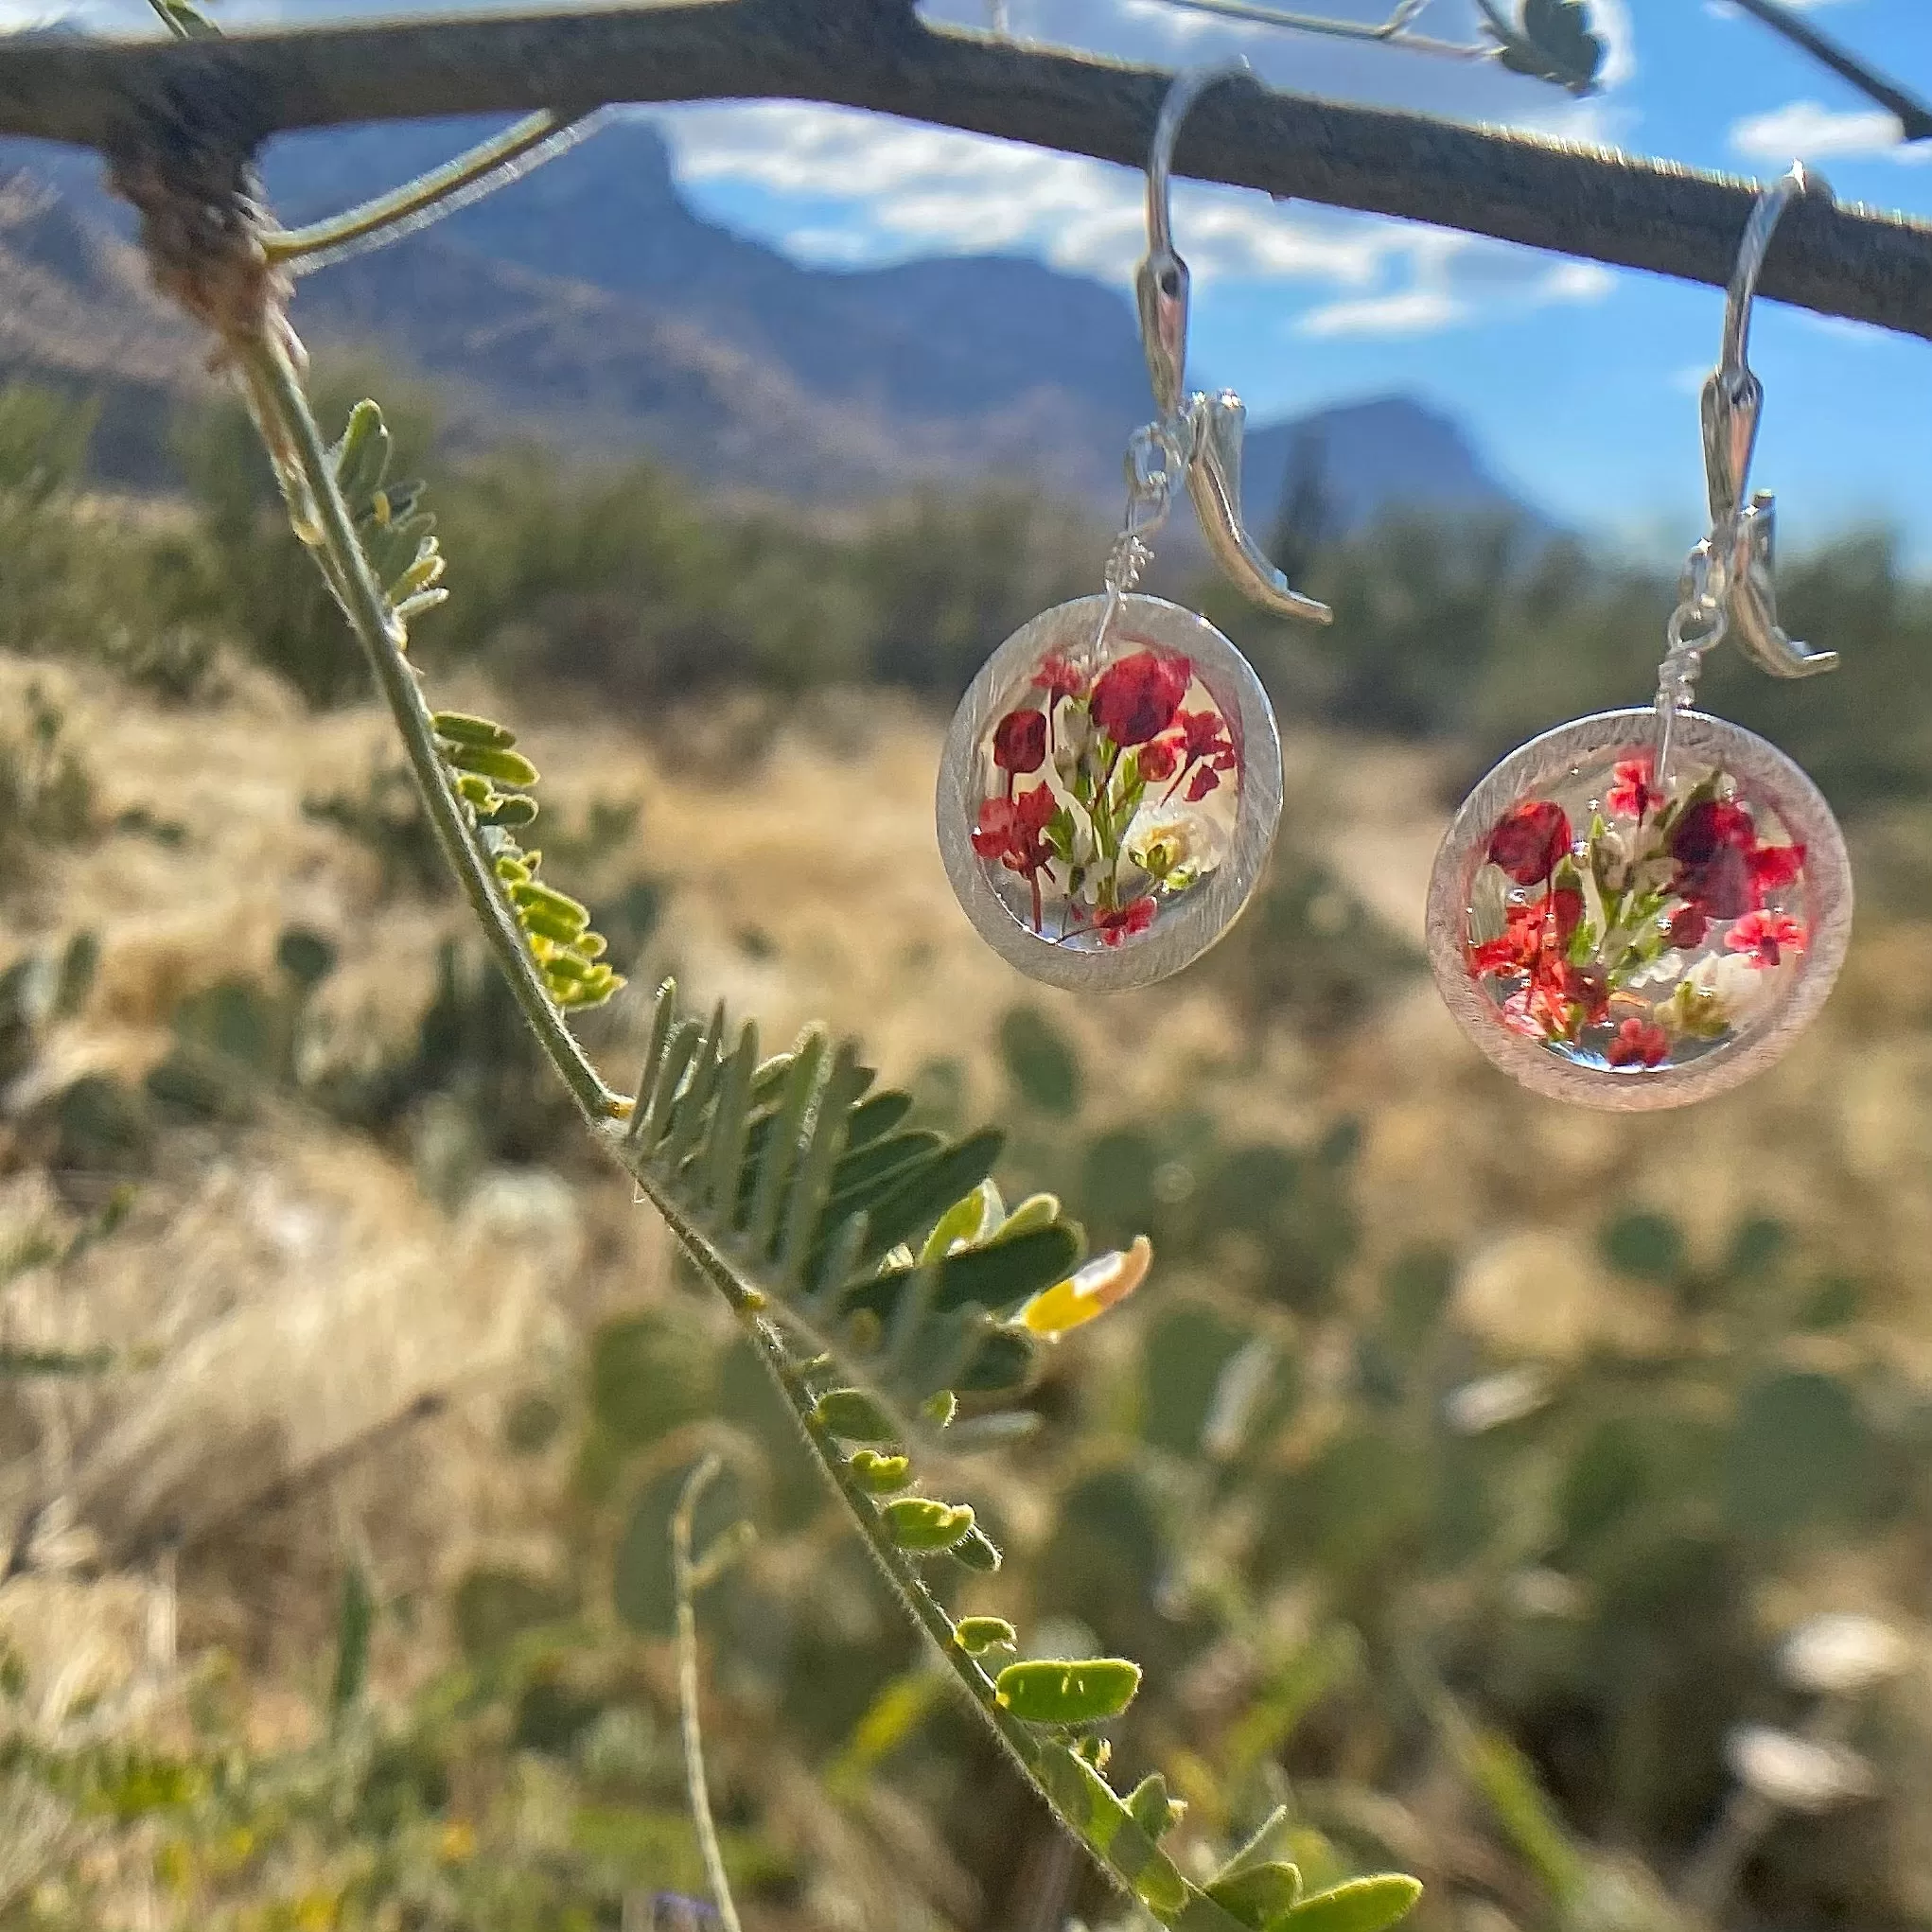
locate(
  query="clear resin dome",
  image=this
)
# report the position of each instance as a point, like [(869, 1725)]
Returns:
[(1625, 926), (1631, 943), (1109, 791)]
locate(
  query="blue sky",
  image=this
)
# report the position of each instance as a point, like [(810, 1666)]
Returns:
[(1579, 383)]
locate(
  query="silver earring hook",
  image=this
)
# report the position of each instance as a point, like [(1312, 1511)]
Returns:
[(1739, 552), (1205, 431)]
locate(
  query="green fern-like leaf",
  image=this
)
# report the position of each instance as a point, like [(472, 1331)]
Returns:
[(397, 535), (794, 1177)]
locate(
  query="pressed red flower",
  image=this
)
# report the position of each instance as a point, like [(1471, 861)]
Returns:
[(1204, 780), (1534, 937), (1019, 741), (1009, 829), (1135, 917), (993, 835), (1634, 790), (1688, 926), (1639, 1043), (1766, 938), (1158, 760), (1136, 699), (1494, 956), (1773, 868), (1708, 827), (1536, 1012), (1590, 988), (1035, 809), (1721, 886), (1010, 833), (1059, 678), (1529, 839), (1204, 734)]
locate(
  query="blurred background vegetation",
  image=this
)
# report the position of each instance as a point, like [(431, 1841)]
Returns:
[(1534, 1502)]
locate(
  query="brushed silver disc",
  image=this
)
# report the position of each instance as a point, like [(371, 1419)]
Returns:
[(1767, 784), (1186, 921)]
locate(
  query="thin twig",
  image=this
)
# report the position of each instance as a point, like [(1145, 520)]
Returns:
[(696, 1791), (1389, 33), (1715, 1864), (1144, 1871), (1631, 213), (278, 388), (285, 1489), (1135, 1862), (489, 165), (1915, 118)]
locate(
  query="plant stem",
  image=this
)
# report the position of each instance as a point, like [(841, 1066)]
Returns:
[(1131, 1859), (695, 1789), (441, 191), (278, 389), (1026, 1750)]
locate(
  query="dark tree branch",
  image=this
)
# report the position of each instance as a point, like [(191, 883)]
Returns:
[(1915, 118), (875, 54)]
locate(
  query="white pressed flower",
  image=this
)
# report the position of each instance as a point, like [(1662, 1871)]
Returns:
[(1175, 843), (1610, 857), (1842, 1652), (1508, 1397), (1072, 732), (1742, 989), (1663, 971), (1797, 1773)]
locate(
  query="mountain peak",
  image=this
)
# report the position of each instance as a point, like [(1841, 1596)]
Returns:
[(588, 303)]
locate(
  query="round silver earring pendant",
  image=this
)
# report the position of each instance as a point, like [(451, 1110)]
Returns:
[(1625, 946), (1110, 792)]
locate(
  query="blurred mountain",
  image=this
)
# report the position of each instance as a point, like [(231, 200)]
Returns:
[(77, 312), (590, 305)]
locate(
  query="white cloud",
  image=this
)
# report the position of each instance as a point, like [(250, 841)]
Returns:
[(1813, 133), (1409, 312), (1578, 282), (870, 190), (914, 190), (1460, 279), (1157, 33)]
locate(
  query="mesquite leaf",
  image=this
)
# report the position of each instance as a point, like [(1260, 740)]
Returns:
[(976, 1635), (923, 1195), (854, 1416), (1047, 1690), (1152, 1809), (1259, 1895), (917, 1522), (1009, 1270), (1363, 1905), (882, 1475)]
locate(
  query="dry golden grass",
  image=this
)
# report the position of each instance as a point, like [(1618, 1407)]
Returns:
[(303, 1291)]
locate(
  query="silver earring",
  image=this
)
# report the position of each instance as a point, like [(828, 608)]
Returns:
[(1642, 909), (1111, 785)]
